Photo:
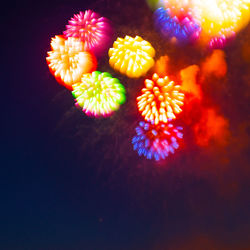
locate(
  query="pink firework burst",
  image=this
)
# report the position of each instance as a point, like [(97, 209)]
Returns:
[(93, 30)]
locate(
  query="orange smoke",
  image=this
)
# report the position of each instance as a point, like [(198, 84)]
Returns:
[(211, 128), (161, 66), (215, 64), (188, 78)]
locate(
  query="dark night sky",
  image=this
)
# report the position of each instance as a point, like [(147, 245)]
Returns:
[(72, 182)]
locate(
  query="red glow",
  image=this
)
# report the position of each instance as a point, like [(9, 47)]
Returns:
[(211, 127)]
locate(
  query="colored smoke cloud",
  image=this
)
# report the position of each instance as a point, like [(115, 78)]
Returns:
[(161, 66), (212, 127), (215, 64), (246, 51), (189, 82)]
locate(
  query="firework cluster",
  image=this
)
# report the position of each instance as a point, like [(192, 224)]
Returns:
[(211, 23), (73, 62), (159, 103)]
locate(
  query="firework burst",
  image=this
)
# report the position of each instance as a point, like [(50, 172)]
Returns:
[(99, 94), (68, 61), (160, 100), (156, 141), (94, 31), (131, 56)]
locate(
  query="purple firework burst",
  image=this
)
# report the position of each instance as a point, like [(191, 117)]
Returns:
[(184, 29)]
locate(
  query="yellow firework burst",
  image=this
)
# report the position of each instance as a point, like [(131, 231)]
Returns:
[(131, 56)]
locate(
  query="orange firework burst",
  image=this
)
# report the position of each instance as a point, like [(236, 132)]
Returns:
[(160, 100), (68, 61)]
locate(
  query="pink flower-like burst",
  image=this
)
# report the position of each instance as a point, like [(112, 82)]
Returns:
[(221, 41), (93, 30)]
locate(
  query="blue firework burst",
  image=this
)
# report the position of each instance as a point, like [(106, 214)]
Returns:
[(184, 30), (156, 141)]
